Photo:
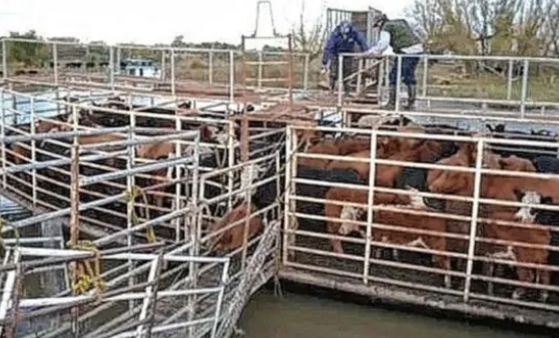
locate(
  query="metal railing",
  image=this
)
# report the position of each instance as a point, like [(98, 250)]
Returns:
[(113, 78), (310, 255)]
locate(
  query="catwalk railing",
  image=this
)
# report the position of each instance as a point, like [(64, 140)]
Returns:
[(469, 230), (464, 82)]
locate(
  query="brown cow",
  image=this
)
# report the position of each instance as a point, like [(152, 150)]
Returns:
[(339, 147), (536, 235), (498, 187), (233, 238), (430, 236)]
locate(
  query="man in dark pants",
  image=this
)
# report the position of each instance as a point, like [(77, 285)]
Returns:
[(343, 39), (404, 41)]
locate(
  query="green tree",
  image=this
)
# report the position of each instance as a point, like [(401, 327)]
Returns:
[(27, 53)]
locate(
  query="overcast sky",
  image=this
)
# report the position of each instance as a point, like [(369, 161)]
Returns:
[(160, 21)]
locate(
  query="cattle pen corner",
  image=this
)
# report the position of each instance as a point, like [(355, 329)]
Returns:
[(157, 206)]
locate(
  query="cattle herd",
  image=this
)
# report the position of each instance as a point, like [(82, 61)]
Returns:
[(433, 223), (412, 204)]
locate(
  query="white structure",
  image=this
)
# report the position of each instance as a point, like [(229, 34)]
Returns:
[(140, 67)]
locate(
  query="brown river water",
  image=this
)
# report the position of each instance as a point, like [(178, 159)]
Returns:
[(301, 316)]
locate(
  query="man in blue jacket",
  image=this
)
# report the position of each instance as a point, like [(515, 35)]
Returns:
[(343, 39)]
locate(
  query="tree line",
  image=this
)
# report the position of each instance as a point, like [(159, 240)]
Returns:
[(490, 27)]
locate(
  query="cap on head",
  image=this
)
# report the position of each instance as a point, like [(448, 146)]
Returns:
[(380, 21)]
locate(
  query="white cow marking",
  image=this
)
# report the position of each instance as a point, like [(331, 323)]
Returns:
[(525, 214)]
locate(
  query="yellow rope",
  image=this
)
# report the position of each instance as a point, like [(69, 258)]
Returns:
[(88, 271), (131, 196)]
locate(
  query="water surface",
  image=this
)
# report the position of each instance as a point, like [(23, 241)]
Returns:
[(299, 316)]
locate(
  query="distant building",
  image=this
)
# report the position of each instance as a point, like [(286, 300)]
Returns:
[(140, 67)]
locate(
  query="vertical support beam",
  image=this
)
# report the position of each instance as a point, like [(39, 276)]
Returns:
[(3, 134), (163, 64), (245, 133), (260, 70), (290, 70), (359, 76), (370, 199), (340, 81), (473, 223), (55, 62), (306, 73), (148, 293), (173, 79), (231, 76), (8, 290), (398, 81), (111, 68), (287, 219), (74, 211), (33, 150), (178, 127), (248, 198), (118, 56), (230, 160), (130, 207), (509, 79), (524, 88), (425, 75), (4, 60), (211, 67)]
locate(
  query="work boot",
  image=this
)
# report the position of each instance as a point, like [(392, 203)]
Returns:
[(411, 97), (391, 105)]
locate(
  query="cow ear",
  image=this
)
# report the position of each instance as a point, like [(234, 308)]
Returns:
[(490, 127), (519, 194)]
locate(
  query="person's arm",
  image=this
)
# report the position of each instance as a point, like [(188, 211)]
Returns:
[(382, 44), (361, 41)]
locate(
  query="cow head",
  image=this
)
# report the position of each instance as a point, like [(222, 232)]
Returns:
[(527, 214), (451, 181), (351, 214)]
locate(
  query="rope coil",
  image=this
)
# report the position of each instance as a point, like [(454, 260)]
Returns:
[(88, 271), (130, 197)]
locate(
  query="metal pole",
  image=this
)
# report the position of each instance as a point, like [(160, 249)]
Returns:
[(231, 76), (130, 208), (359, 76), (163, 65), (473, 223), (425, 75), (306, 73), (369, 232), (173, 72), (4, 60), (509, 80), (111, 68), (74, 211), (287, 195), (259, 69), (524, 88), (398, 81), (340, 81), (3, 133), (178, 126), (211, 67), (33, 151), (55, 62), (230, 161), (118, 51)]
